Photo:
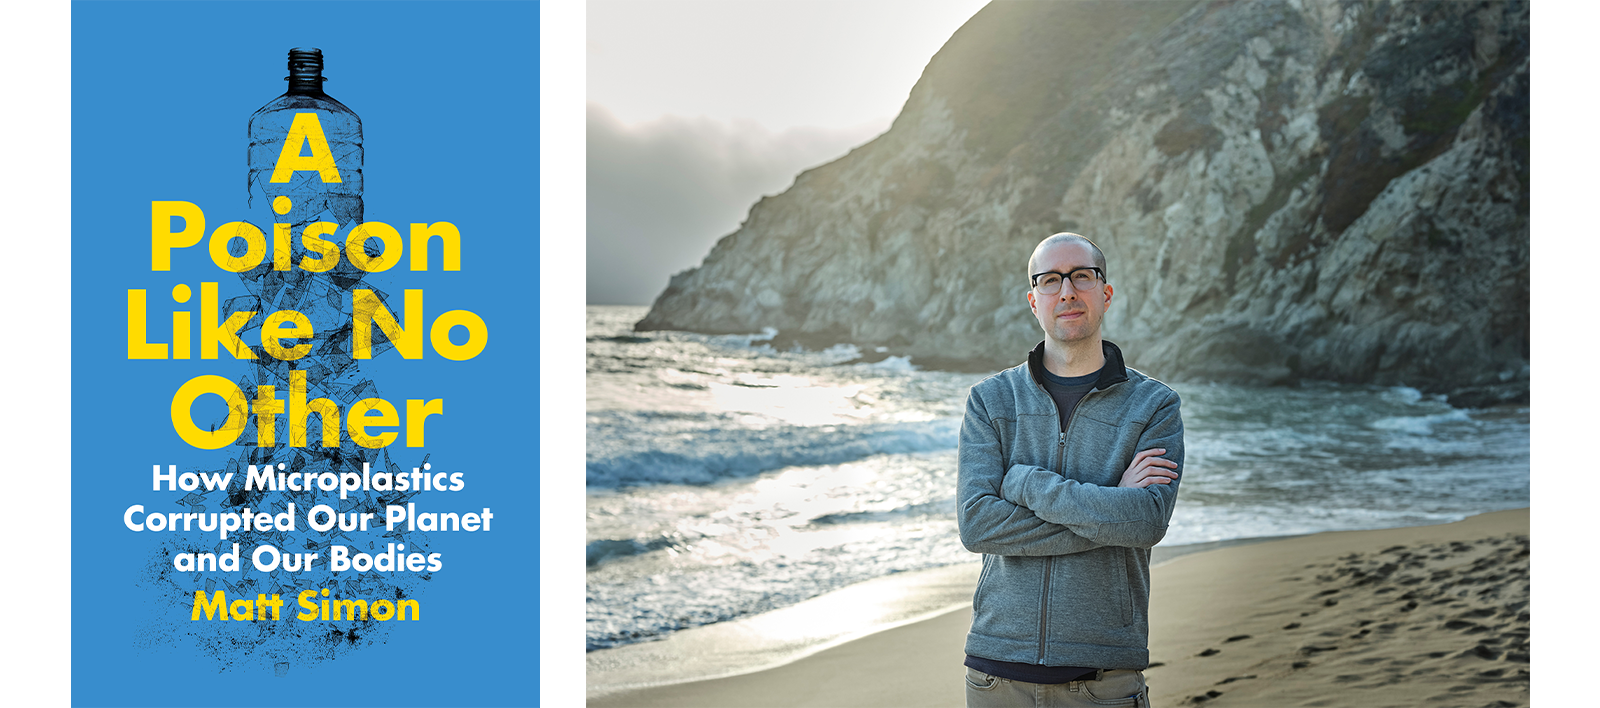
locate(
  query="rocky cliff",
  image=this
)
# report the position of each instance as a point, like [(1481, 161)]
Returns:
[(1283, 190)]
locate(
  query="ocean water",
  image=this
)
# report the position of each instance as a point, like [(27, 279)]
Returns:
[(726, 478)]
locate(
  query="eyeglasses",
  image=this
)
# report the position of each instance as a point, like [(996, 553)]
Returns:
[(1083, 280)]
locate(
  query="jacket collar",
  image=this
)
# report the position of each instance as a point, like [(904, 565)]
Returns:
[(1113, 373)]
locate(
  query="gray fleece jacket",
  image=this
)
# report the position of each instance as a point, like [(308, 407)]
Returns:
[(1066, 552)]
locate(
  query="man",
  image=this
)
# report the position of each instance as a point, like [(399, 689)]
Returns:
[(1069, 467)]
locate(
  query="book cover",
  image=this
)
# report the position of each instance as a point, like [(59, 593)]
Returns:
[(305, 353)]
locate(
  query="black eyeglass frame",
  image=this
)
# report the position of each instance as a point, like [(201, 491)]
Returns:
[(1066, 277)]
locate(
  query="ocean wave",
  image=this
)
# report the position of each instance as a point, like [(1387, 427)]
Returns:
[(1403, 394), (893, 363), (606, 549), (1420, 424), (623, 607), (708, 455), (622, 339), (941, 508), (840, 353)]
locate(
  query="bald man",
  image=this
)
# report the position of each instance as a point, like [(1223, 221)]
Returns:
[(1069, 468)]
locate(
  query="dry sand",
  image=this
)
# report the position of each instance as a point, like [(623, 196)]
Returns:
[(1431, 615), (1422, 616)]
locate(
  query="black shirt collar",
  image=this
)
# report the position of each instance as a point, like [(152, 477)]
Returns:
[(1111, 374)]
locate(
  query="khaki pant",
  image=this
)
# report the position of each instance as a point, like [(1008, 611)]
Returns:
[(1115, 688)]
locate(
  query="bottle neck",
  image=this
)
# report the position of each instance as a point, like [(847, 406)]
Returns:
[(305, 86), (305, 71)]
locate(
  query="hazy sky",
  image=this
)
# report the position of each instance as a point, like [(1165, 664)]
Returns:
[(697, 108)]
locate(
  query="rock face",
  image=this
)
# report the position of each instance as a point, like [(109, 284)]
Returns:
[(1283, 190)]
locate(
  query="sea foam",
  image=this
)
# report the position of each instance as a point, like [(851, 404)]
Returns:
[(625, 457)]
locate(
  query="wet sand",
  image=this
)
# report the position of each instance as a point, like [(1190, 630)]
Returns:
[(1431, 615)]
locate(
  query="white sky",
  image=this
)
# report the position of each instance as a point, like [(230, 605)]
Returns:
[(780, 63), (698, 108)]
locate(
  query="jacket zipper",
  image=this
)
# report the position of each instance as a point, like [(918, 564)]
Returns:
[(1050, 561)]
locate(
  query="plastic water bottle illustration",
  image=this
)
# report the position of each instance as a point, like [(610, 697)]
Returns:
[(305, 186), (305, 196), (331, 194)]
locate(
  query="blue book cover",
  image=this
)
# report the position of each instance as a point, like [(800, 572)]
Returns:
[(305, 353)]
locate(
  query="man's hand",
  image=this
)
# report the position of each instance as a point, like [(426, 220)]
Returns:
[(1148, 468)]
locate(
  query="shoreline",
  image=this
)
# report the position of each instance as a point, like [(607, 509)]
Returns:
[(780, 637), (773, 639), (795, 655)]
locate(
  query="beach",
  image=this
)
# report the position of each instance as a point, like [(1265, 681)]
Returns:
[(1414, 616), (729, 480)]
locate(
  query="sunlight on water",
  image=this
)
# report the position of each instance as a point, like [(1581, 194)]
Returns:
[(790, 399)]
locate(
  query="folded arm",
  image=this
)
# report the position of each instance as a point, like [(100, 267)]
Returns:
[(988, 522), (1136, 517)]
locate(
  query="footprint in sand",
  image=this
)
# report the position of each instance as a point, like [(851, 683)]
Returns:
[(1491, 674), (1471, 627)]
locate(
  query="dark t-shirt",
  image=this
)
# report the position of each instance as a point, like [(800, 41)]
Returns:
[(1067, 391), (1030, 673)]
